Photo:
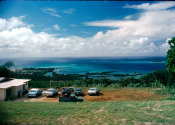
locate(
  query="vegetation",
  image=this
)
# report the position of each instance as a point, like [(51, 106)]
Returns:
[(171, 56), (8, 64), (4, 72), (171, 62), (155, 79), (4, 69), (123, 112)]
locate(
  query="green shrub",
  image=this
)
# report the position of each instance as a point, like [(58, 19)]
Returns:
[(171, 98)]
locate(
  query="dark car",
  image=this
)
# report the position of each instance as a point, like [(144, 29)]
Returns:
[(78, 91), (71, 98), (51, 92), (71, 89), (66, 92)]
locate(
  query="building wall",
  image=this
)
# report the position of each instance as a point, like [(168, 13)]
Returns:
[(15, 90), (26, 86), (2, 94)]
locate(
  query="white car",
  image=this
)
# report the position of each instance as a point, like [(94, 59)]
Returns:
[(93, 91), (51, 92)]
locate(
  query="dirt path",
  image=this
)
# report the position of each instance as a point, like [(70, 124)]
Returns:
[(37, 99)]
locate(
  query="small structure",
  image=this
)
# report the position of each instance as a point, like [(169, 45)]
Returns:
[(12, 88)]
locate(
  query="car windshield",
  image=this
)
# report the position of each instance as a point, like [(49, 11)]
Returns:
[(32, 90), (78, 89), (92, 89), (65, 90), (50, 90)]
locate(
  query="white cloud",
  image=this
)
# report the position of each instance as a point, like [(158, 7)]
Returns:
[(145, 36), (156, 25), (164, 47), (54, 12), (46, 29), (153, 6), (56, 27), (11, 23), (51, 11), (141, 36), (128, 17), (69, 11)]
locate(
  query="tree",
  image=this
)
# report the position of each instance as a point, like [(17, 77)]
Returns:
[(4, 72), (171, 56), (4, 69), (171, 61), (8, 64)]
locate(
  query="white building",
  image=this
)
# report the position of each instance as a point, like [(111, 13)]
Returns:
[(12, 88)]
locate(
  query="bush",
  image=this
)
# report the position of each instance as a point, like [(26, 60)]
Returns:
[(172, 92), (171, 98)]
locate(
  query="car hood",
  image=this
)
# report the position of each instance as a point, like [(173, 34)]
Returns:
[(32, 93), (77, 91), (91, 91), (66, 91)]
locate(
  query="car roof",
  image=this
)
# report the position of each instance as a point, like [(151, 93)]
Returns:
[(71, 87), (34, 89), (93, 88), (51, 89)]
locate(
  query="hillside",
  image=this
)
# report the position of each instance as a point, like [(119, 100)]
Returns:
[(122, 112)]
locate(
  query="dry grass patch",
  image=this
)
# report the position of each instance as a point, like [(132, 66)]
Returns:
[(124, 94)]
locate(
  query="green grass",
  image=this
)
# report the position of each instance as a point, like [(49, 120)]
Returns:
[(123, 112)]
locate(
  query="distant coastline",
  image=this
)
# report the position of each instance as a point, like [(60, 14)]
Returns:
[(100, 66)]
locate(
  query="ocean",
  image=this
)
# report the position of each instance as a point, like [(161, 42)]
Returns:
[(118, 65)]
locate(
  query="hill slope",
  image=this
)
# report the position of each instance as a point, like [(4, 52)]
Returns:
[(123, 112)]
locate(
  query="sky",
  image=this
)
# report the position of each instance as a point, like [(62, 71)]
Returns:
[(85, 28)]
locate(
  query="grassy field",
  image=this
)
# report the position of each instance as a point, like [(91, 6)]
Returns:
[(121, 112)]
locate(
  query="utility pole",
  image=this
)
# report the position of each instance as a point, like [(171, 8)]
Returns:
[(50, 83)]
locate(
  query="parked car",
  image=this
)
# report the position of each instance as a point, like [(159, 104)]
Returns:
[(71, 98), (78, 91), (71, 89), (51, 92), (34, 92), (93, 91), (66, 92)]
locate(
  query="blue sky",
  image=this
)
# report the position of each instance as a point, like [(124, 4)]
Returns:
[(85, 28), (70, 23)]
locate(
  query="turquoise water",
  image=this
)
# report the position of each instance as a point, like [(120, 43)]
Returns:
[(121, 65)]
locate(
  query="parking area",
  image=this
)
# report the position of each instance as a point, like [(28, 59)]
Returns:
[(41, 98), (118, 94)]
